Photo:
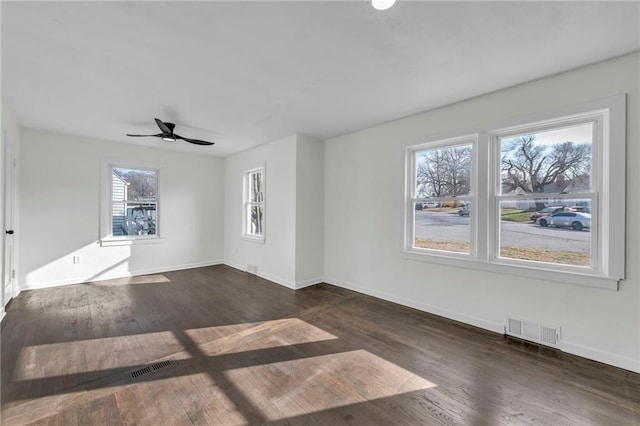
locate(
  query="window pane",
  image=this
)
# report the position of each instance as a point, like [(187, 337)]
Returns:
[(141, 219), (140, 184), (255, 220), (256, 187), (557, 161), (444, 172), (546, 230), (118, 215), (445, 227)]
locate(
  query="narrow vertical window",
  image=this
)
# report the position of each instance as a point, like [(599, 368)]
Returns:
[(254, 204)]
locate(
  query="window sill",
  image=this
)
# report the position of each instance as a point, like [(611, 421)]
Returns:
[(577, 278), (129, 241), (258, 240)]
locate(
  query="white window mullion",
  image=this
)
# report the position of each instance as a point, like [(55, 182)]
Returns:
[(480, 233)]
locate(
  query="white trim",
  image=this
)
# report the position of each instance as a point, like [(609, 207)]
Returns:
[(308, 283), (3, 314), (130, 240), (277, 280), (609, 358), (519, 271), (116, 275)]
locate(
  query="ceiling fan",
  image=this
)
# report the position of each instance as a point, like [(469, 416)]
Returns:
[(168, 135)]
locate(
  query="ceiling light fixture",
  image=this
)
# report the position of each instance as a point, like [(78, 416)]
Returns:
[(168, 139), (382, 4)]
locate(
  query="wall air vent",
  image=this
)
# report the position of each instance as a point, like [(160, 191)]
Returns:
[(532, 331)]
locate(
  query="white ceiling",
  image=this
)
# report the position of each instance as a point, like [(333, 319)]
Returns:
[(245, 73)]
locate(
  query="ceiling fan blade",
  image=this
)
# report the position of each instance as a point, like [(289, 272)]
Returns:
[(140, 136), (163, 126), (195, 141)]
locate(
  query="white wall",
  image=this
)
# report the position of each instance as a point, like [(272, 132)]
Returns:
[(363, 223), (291, 254), (275, 259), (309, 211), (11, 131), (59, 214)]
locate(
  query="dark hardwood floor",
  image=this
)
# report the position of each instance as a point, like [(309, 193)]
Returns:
[(243, 350)]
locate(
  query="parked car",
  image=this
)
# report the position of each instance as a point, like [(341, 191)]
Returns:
[(431, 204), (547, 211), (418, 206), (573, 220), (465, 210)]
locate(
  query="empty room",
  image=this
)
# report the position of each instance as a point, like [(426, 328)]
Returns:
[(320, 213)]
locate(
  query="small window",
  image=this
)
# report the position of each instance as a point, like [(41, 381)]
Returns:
[(130, 204), (254, 204)]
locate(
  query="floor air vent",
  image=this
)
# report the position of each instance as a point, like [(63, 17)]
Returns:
[(532, 331), (150, 369)]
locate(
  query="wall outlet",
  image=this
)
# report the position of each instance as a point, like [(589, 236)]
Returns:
[(76, 260), (252, 269)]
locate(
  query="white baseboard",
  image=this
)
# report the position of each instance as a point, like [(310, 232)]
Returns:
[(456, 316), (308, 283), (568, 347), (285, 283), (277, 280), (601, 356), (2, 314), (116, 275)]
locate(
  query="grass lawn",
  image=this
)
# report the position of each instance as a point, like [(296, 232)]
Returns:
[(537, 255), (517, 215)]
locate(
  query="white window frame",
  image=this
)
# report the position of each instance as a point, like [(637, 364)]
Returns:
[(106, 205), (608, 199), (247, 203), (412, 198)]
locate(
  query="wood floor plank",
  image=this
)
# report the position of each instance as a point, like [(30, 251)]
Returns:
[(243, 350)]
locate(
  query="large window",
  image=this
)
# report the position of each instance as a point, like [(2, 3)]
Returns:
[(130, 204), (542, 196), (254, 204)]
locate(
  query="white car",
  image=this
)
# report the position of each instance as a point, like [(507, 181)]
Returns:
[(431, 204), (573, 220)]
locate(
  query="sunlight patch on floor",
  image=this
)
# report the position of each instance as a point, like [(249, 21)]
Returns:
[(59, 359), (140, 279), (261, 335), (322, 383)]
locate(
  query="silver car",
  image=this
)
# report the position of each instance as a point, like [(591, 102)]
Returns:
[(573, 220)]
